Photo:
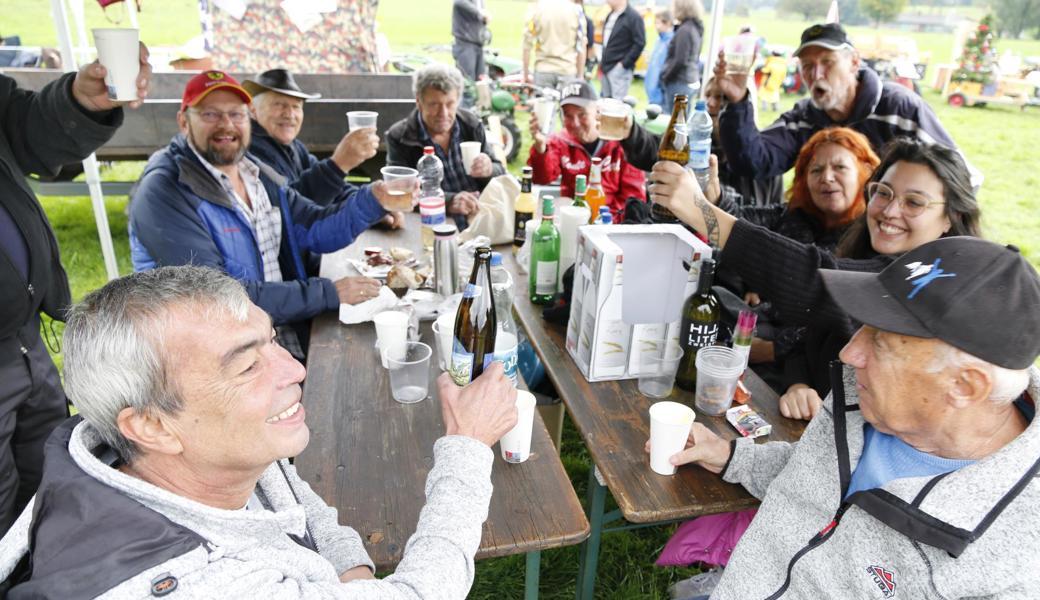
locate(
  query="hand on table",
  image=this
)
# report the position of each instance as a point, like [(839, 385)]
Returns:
[(355, 290), (392, 220), (90, 91), (355, 148), (702, 447), (484, 410), (464, 203), (800, 402), (481, 166)]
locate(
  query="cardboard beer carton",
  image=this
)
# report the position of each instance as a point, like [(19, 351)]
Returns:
[(630, 283)]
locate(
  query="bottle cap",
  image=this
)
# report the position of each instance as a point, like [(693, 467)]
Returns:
[(444, 230), (604, 210), (427, 150), (579, 185), (527, 171), (496, 259), (547, 206), (701, 105)]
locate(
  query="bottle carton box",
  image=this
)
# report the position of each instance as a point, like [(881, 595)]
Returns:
[(629, 286)]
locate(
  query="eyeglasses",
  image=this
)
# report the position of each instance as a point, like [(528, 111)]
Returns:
[(216, 116), (912, 204)]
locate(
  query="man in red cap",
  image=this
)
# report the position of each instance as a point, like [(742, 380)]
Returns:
[(202, 200)]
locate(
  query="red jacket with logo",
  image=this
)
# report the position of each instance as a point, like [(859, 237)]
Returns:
[(565, 156)]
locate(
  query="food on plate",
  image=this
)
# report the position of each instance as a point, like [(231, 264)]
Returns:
[(401, 254), (404, 278)]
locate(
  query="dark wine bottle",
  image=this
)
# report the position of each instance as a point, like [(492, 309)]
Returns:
[(675, 146), (473, 345), (700, 326)]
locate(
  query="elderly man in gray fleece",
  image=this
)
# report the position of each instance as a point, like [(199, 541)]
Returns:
[(918, 478), (176, 481)]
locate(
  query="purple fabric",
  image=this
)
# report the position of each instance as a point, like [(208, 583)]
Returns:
[(709, 539)]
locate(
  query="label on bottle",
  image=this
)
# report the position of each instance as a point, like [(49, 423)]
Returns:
[(700, 151), (520, 227), (461, 367), (744, 350), (471, 291), (431, 214), (545, 277), (506, 353), (699, 335)]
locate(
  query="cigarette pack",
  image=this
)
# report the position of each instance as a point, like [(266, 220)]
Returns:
[(748, 422)]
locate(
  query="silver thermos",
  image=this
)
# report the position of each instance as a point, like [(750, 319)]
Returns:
[(445, 259)]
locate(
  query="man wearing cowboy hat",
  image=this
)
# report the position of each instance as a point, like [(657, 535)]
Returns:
[(203, 200)]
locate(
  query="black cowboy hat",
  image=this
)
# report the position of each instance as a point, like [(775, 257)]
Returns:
[(277, 80)]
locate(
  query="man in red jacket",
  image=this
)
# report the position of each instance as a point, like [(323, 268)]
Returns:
[(569, 153)]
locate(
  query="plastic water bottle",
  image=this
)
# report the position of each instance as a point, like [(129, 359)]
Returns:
[(604, 216), (506, 339), (700, 128), (431, 197)]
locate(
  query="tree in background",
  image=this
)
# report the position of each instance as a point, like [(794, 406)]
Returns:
[(881, 11), (976, 61), (1016, 16), (811, 10)]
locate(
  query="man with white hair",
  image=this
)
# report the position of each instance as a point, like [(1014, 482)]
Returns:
[(842, 93), (917, 479), (176, 477)]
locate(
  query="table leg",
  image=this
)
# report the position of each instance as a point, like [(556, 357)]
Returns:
[(533, 572), (590, 549)]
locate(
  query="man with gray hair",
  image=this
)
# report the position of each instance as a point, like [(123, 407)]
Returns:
[(917, 478), (176, 477), (439, 122)]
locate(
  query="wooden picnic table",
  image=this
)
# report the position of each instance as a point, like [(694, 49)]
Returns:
[(614, 422), (369, 456)]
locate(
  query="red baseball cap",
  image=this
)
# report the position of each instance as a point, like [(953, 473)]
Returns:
[(207, 81)]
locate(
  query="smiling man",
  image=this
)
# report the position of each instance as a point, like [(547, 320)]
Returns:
[(203, 200), (842, 93), (175, 479), (920, 471)]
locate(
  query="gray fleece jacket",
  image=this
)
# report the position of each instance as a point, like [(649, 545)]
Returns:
[(971, 533), (214, 553)]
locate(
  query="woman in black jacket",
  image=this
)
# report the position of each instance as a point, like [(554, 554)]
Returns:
[(681, 68), (918, 193)]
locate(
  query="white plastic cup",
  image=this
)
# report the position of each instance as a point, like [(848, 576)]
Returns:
[(718, 368), (391, 334), (470, 150), (740, 54), (545, 110), (444, 332), (516, 444), (118, 50), (361, 119), (410, 375), (400, 185), (670, 424)]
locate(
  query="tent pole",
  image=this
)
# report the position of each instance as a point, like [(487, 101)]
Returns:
[(90, 165), (713, 43)]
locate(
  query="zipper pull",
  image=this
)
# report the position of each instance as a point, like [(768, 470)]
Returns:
[(32, 290)]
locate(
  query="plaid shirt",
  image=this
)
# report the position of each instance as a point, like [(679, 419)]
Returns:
[(455, 178), (266, 223)]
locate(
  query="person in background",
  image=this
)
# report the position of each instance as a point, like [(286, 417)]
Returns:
[(624, 36), (655, 93), (175, 474), (40, 131), (920, 192), (439, 121), (590, 40), (555, 33), (569, 153), (681, 73), (469, 27), (774, 72)]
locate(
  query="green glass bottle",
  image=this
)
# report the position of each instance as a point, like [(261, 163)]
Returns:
[(700, 326), (580, 189), (545, 256)]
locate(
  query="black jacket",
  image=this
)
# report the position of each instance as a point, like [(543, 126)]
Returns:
[(626, 41), (320, 181), (404, 145), (680, 64), (39, 132)]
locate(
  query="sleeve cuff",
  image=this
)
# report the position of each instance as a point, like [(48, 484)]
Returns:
[(335, 168), (741, 455)]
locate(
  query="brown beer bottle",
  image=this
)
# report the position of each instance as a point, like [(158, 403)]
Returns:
[(473, 345), (675, 146)]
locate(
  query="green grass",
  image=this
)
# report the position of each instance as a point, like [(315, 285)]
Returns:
[(998, 140)]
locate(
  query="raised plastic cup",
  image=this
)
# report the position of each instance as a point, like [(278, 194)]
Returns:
[(410, 373), (740, 54), (119, 52), (545, 110), (391, 334), (400, 184), (613, 115), (470, 150), (657, 370), (516, 443), (718, 369), (443, 334), (670, 424), (361, 119)]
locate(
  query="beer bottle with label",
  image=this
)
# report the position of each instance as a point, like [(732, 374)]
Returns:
[(675, 146), (473, 345), (545, 257), (700, 326), (523, 210)]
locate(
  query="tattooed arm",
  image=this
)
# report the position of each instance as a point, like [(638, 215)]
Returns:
[(675, 188)]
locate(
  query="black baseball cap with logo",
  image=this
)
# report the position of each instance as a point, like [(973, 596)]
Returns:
[(975, 295), (831, 36), (578, 92)]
